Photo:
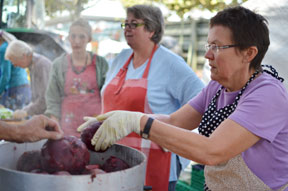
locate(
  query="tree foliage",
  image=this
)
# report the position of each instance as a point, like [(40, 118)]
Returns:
[(73, 6), (180, 6), (183, 6)]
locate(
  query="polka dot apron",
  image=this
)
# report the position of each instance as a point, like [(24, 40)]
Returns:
[(233, 174)]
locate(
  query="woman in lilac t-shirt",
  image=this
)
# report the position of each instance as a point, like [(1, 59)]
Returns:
[(241, 115)]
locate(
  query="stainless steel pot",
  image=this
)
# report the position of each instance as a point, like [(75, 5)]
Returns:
[(131, 179)]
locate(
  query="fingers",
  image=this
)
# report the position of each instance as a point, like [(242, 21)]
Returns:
[(104, 116), (51, 129), (19, 114), (88, 120), (83, 126)]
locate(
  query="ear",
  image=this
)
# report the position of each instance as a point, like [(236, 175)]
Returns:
[(250, 53)]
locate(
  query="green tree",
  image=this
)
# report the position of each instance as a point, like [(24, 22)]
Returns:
[(74, 6), (183, 6)]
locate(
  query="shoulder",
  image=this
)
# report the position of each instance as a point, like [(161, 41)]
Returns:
[(124, 54), (62, 59), (121, 58), (41, 60), (267, 83), (267, 90)]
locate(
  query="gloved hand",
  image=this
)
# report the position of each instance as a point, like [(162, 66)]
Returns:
[(19, 114), (115, 126)]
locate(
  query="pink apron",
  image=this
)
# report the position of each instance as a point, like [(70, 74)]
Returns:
[(82, 97), (121, 94)]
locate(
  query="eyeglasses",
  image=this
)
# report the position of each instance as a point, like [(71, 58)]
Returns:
[(216, 48), (131, 25)]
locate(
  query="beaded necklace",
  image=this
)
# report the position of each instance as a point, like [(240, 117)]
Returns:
[(74, 68)]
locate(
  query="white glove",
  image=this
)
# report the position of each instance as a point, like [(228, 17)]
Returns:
[(89, 120), (19, 114), (116, 125)]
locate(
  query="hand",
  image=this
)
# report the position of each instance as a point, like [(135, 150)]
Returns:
[(115, 126), (37, 128), (19, 114)]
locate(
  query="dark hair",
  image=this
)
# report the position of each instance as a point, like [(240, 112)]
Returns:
[(152, 17), (248, 29)]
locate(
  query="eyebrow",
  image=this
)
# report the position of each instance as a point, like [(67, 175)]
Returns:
[(133, 20)]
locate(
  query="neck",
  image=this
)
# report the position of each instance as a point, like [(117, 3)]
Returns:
[(79, 55), (79, 58), (239, 82), (141, 55)]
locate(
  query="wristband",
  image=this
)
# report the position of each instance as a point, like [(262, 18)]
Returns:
[(146, 130)]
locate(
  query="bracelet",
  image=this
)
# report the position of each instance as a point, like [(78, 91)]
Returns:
[(146, 130)]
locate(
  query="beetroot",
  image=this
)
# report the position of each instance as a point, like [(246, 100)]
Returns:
[(29, 161), (114, 164), (88, 133), (67, 154)]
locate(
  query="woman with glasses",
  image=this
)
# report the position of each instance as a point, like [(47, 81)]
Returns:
[(75, 81), (149, 78), (241, 114)]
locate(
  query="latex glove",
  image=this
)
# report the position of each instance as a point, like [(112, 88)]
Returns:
[(88, 121), (115, 126), (19, 114)]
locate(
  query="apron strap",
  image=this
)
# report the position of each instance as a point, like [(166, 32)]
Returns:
[(273, 72), (122, 74), (123, 71), (145, 75)]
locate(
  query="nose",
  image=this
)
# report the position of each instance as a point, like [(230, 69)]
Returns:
[(209, 54)]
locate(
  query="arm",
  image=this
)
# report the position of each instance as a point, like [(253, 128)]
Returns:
[(40, 81), (186, 117), (55, 88), (228, 140), (35, 129), (101, 69), (6, 67)]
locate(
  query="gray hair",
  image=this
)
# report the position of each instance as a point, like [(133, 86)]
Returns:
[(152, 17), (17, 49)]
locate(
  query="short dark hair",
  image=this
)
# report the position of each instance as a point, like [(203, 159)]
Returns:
[(152, 17), (248, 29)]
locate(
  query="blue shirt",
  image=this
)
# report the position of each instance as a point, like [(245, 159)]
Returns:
[(171, 84)]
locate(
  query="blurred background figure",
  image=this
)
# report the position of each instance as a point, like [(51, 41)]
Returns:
[(21, 55), (75, 81), (172, 44), (142, 79), (14, 85)]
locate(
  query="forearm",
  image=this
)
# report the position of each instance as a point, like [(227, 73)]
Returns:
[(7, 131), (180, 141), (35, 108)]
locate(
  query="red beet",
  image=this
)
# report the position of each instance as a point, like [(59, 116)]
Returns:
[(114, 164), (67, 154), (29, 161), (88, 133)]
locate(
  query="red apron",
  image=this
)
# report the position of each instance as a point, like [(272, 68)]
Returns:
[(82, 97), (121, 94)]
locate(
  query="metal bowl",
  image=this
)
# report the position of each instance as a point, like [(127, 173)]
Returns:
[(131, 179)]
